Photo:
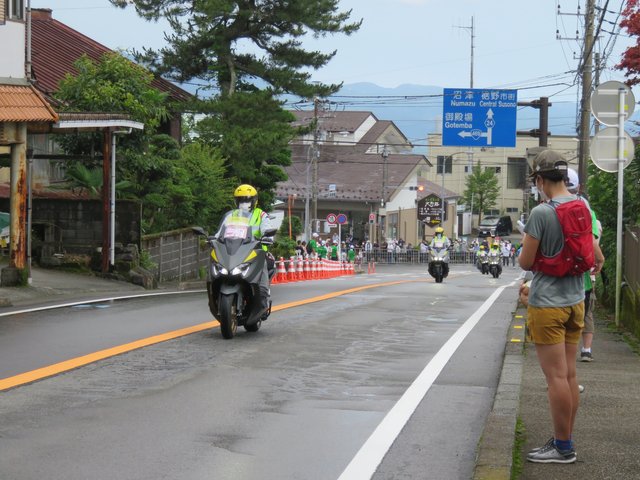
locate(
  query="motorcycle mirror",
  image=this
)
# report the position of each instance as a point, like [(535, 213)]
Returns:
[(199, 231), (266, 240), (270, 233)]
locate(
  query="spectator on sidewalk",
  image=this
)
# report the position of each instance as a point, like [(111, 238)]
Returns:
[(573, 185), (556, 308), (506, 253)]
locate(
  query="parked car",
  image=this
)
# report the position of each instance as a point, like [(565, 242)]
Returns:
[(493, 225)]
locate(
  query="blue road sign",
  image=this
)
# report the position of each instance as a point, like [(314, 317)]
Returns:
[(479, 117)]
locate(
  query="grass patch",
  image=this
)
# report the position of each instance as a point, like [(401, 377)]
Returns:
[(517, 463)]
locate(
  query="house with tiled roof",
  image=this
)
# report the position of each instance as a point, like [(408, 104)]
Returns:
[(56, 47), (22, 108), (366, 169)]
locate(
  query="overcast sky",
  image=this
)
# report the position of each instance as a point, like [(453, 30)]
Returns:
[(424, 42)]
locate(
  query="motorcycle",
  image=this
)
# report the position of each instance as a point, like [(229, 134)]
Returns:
[(438, 261), (495, 268), (236, 265), (483, 262)]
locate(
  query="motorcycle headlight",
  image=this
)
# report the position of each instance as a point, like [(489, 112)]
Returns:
[(218, 269), (241, 269)]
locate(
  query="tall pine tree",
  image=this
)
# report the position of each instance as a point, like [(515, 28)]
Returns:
[(251, 49), (230, 43)]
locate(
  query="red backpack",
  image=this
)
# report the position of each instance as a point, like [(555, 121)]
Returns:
[(576, 256)]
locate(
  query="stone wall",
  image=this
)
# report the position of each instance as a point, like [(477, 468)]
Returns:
[(75, 226)]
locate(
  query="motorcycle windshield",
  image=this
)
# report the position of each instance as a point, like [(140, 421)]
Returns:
[(236, 231)]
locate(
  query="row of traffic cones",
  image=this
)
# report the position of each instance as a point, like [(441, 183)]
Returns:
[(299, 269)]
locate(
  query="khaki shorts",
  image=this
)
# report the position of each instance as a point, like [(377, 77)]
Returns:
[(553, 325)]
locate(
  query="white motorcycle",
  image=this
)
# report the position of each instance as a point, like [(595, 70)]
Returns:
[(439, 261), (495, 268)]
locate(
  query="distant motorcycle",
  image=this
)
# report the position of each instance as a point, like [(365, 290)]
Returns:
[(236, 263), (495, 268), (483, 262), (438, 261)]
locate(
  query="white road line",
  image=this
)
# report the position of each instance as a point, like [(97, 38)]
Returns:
[(366, 461), (98, 300)]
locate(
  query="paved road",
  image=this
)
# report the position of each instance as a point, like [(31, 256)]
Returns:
[(297, 400)]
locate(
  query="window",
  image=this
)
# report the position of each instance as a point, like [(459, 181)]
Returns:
[(14, 9), (495, 170), (512, 210), (516, 172), (468, 169), (445, 162)]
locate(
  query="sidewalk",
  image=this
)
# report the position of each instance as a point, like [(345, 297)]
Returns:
[(607, 430), (49, 285)]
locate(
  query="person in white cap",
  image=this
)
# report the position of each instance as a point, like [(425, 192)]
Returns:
[(555, 312), (573, 185)]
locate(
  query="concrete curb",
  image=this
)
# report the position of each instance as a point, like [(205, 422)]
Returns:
[(495, 450)]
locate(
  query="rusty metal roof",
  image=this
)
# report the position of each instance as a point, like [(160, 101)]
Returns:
[(55, 47), (23, 103)]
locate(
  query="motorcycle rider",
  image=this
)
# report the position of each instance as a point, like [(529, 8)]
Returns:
[(440, 237), (246, 198), (440, 241)]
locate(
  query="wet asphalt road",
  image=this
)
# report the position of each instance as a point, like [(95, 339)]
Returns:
[(296, 400)]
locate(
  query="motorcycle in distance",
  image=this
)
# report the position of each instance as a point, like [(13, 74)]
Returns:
[(495, 268), (483, 262), (236, 264), (439, 261)]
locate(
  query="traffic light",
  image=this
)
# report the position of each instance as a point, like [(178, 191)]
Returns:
[(419, 188)]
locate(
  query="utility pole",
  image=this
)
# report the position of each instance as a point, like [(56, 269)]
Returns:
[(542, 132), (596, 83), (471, 30), (314, 162), (585, 106)]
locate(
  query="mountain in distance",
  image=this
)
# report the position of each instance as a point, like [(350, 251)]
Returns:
[(417, 109)]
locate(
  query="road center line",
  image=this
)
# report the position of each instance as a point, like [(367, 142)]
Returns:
[(366, 461), (65, 366)]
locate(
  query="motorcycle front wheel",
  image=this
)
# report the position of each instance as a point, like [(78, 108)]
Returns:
[(228, 315)]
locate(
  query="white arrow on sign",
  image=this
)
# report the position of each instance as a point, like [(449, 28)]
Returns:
[(476, 133)]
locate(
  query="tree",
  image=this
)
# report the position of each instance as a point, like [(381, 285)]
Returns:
[(603, 188), (231, 43), (482, 190), (630, 61), (151, 166), (252, 132)]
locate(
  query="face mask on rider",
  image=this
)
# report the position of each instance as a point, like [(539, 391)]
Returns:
[(245, 206)]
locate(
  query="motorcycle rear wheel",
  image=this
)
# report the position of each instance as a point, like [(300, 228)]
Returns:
[(228, 315)]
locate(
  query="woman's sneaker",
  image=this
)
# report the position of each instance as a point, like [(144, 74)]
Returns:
[(550, 454)]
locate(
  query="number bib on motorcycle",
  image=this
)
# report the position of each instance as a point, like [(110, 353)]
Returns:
[(235, 231), (576, 256)]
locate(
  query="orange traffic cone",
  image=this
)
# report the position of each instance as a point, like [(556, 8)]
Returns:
[(307, 269), (281, 272), (292, 269)]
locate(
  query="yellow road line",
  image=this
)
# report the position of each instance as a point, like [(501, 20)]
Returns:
[(65, 366)]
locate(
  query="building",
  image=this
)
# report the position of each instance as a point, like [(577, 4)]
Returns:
[(362, 167), (22, 108), (453, 165)]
